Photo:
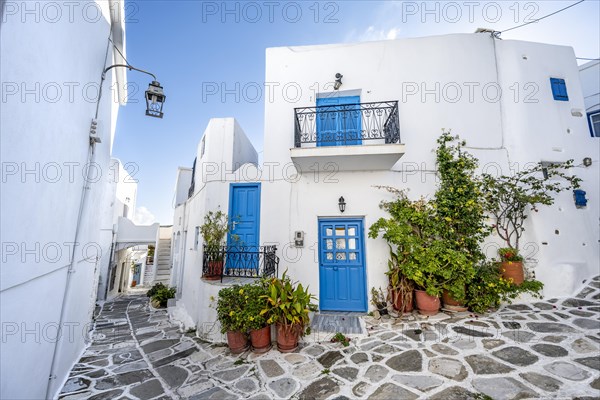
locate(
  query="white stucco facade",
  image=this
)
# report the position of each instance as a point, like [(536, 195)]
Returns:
[(50, 74), (590, 84), (496, 94)]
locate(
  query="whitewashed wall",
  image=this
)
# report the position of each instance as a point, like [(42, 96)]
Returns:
[(45, 129), (504, 132)]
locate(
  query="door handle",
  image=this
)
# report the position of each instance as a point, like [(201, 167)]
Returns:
[(233, 224)]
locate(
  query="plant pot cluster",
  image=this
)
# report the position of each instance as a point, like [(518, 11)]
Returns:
[(436, 243), (247, 312), (239, 312)]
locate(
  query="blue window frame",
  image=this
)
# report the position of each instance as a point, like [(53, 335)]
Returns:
[(594, 123), (559, 89)]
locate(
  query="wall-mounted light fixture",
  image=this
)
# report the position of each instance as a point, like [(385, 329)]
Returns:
[(342, 204), (338, 81), (155, 96), (587, 161)]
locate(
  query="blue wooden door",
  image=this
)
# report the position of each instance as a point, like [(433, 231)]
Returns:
[(244, 217), (339, 121), (342, 274)]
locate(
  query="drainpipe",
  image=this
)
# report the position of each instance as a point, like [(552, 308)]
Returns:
[(71, 270)]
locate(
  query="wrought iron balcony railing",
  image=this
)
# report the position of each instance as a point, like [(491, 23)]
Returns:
[(348, 124), (240, 261)]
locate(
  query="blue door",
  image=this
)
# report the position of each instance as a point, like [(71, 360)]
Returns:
[(342, 273), (244, 217), (339, 121)]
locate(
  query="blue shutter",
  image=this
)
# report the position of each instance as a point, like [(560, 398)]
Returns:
[(559, 89)]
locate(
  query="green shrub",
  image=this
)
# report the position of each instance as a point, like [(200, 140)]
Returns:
[(488, 289), (157, 286), (162, 295)]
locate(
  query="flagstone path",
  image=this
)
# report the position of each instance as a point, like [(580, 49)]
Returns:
[(543, 349)]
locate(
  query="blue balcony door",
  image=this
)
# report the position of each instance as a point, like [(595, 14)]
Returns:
[(339, 121), (244, 220), (342, 272)]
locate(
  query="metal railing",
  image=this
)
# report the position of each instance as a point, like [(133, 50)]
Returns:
[(239, 261), (348, 124)]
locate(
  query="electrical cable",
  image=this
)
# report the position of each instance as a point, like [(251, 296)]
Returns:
[(541, 18)]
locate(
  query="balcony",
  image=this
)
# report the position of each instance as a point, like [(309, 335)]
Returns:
[(349, 137), (239, 262)]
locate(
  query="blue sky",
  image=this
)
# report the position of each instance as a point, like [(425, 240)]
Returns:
[(190, 45)]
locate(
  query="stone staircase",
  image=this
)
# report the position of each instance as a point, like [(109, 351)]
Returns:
[(163, 261)]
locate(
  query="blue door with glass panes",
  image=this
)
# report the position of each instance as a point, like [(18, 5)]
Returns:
[(342, 274), (339, 121)]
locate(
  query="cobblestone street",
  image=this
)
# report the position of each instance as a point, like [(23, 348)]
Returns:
[(543, 349)]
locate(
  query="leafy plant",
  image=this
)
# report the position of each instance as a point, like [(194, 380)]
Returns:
[(214, 230), (378, 299), (230, 309), (162, 294), (255, 300), (459, 207), (288, 304), (341, 338), (401, 289), (508, 198), (154, 289), (488, 289), (423, 254), (508, 254)]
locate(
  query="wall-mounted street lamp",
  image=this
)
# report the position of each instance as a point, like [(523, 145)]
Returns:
[(342, 204), (155, 97), (338, 81), (587, 162)]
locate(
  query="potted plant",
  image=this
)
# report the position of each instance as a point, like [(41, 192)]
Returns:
[(401, 289), (421, 253), (256, 322), (489, 288), (231, 316), (288, 305), (378, 299), (214, 231), (511, 265), (508, 199), (459, 207)]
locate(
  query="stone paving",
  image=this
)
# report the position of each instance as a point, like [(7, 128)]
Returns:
[(543, 349)]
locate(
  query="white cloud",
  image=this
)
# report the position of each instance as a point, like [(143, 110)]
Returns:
[(372, 33), (143, 216)]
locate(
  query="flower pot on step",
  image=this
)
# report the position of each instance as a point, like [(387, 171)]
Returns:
[(426, 304), (513, 270), (261, 339), (237, 341), (451, 304), (287, 338), (401, 305)]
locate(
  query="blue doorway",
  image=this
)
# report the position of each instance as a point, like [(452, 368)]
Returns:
[(339, 121), (244, 220), (342, 271)]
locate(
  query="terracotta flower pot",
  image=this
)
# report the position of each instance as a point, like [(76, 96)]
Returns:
[(426, 304), (133, 283), (513, 270), (237, 341), (399, 303), (451, 304), (215, 269), (261, 339), (287, 338)]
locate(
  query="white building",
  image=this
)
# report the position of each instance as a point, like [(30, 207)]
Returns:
[(590, 83), (513, 102), (129, 250), (58, 182)]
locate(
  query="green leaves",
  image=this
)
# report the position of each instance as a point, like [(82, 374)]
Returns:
[(289, 303)]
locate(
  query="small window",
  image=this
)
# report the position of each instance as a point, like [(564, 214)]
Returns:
[(196, 238), (594, 122), (202, 146), (559, 89)]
